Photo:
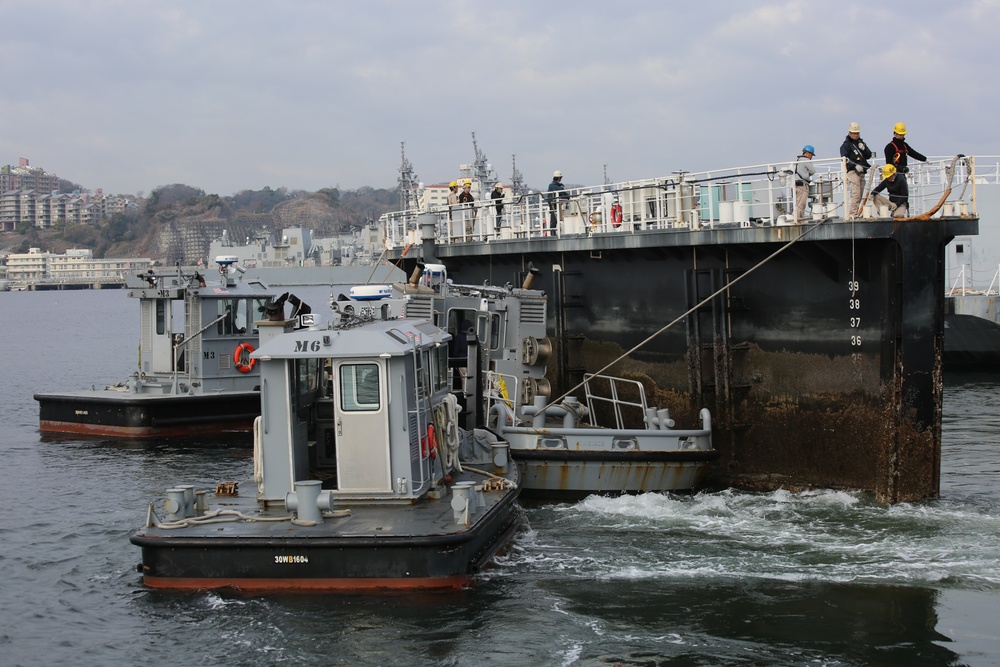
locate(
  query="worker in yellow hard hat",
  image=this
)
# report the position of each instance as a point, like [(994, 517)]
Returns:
[(465, 197), (899, 194), (452, 197), (897, 150)]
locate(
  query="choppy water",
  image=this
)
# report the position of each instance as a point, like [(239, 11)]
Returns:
[(728, 578)]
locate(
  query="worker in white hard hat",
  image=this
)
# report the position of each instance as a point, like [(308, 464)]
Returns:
[(897, 150), (497, 196), (804, 171), (857, 155), (894, 184), (556, 192)]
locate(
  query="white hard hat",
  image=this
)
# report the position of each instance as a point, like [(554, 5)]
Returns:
[(854, 127), (498, 186), (556, 174)]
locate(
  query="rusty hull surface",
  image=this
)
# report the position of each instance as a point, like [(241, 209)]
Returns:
[(821, 364)]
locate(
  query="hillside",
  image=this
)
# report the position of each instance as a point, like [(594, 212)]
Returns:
[(176, 223)]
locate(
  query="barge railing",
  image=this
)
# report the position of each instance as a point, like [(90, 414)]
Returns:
[(758, 195)]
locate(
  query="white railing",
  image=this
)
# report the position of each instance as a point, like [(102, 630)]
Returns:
[(759, 195)]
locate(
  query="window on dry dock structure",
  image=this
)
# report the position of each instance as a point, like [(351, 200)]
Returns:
[(359, 388)]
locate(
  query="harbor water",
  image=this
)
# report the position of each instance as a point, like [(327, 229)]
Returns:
[(714, 578)]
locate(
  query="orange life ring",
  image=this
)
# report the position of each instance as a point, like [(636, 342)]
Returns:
[(616, 214), (241, 357)]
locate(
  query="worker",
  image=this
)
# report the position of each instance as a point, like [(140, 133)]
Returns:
[(556, 192), (897, 150), (804, 171), (857, 155), (899, 194)]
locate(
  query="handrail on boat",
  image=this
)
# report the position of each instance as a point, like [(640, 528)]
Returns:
[(753, 196)]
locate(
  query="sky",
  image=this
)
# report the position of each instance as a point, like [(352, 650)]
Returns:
[(231, 95)]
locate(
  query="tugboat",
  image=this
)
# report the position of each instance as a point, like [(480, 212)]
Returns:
[(196, 373), (612, 442), (564, 453), (363, 477)]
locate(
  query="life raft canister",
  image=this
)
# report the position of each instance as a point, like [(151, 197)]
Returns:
[(429, 443), (616, 214), (241, 357)]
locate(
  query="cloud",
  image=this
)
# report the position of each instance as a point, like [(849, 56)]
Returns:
[(232, 95)]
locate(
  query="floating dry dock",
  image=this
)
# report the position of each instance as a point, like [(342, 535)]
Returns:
[(816, 346)]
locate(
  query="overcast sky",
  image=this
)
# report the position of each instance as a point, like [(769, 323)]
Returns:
[(129, 95)]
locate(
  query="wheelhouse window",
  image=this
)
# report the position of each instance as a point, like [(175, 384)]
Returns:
[(305, 380), (359, 388), (234, 317), (161, 317), (440, 367)]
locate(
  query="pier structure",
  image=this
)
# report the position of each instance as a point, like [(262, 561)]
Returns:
[(816, 345)]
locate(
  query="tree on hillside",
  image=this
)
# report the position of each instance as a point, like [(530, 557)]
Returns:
[(260, 201), (170, 196)]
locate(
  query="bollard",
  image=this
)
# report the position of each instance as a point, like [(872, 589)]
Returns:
[(461, 501), (308, 500), (500, 455), (175, 504)]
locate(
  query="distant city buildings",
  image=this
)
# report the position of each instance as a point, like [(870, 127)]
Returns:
[(30, 197), (75, 266)]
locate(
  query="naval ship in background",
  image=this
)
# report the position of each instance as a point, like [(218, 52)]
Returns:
[(817, 346), (972, 297)]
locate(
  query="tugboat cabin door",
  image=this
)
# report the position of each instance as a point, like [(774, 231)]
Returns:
[(361, 425)]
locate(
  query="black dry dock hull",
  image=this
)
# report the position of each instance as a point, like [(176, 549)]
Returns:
[(323, 562), (112, 414), (820, 362)]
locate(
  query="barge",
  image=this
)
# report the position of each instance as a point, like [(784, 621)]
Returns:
[(361, 479)]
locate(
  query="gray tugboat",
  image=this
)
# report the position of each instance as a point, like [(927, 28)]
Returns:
[(610, 442), (362, 478), (195, 372)]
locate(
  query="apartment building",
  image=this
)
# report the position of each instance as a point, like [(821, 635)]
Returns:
[(75, 266)]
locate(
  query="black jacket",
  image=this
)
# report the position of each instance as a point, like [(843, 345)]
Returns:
[(856, 152), (897, 189), (896, 152)]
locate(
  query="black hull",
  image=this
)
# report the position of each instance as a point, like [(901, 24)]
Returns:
[(821, 364), (113, 414), (971, 343), (323, 562)]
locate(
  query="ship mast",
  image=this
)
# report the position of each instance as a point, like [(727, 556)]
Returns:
[(409, 184), (516, 179), (479, 172)]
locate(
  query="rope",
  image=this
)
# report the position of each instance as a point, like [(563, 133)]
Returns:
[(451, 440), (231, 516), (503, 481)]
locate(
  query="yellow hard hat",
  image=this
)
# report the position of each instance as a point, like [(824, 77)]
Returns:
[(468, 183), (888, 171), (899, 128), (453, 184)]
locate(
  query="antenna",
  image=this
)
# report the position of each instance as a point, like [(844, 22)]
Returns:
[(517, 179)]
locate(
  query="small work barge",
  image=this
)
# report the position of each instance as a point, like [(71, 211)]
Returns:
[(363, 478), (195, 371)]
